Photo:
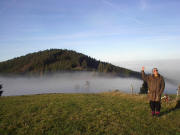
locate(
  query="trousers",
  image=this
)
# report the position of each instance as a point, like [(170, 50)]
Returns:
[(155, 106)]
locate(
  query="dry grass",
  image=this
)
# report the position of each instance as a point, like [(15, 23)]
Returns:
[(109, 113)]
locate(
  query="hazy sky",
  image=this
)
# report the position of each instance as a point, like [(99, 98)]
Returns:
[(109, 30)]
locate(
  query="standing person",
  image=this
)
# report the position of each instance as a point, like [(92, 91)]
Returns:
[(156, 87)]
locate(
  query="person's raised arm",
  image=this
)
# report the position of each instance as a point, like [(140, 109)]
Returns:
[(144, 76)]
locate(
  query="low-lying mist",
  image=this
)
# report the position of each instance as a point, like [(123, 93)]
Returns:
[(78, 82), (169, 69)]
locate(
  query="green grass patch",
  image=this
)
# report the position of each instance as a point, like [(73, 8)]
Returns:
[(111, 113)]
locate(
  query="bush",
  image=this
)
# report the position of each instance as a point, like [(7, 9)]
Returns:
[(144, 88)]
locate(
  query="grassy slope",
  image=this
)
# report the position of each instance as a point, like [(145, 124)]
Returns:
[(88, 114)]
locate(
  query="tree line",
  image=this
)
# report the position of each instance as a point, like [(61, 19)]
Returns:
[(55, 60)]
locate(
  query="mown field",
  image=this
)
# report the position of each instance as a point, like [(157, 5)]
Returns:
[(111, 113)]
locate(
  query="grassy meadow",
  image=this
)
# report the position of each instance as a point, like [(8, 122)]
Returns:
[(110, 113)]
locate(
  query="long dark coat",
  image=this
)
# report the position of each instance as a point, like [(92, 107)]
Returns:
[(156, 86)]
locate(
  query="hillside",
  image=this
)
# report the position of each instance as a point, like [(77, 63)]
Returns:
[(111, 113), (58, 60)]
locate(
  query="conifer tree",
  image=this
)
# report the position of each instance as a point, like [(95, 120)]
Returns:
[(144, 88), (84, 64)]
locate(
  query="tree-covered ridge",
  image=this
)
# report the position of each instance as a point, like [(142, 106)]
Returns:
[(55, 60)]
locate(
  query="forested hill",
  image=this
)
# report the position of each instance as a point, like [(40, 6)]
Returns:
[(58, 60)]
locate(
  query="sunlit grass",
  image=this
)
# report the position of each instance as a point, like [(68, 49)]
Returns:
[(111, 113)]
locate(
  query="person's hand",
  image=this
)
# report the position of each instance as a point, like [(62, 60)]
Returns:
[(143, 68)]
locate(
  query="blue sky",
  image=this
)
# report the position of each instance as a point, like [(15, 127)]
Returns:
[(109, 30)]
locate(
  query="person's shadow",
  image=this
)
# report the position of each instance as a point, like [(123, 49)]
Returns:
[(172, 109)]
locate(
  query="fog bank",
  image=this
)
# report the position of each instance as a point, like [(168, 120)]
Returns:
[(79, 82), (168, 68)]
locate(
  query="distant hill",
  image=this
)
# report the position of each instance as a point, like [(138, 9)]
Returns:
[(58, 60)]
